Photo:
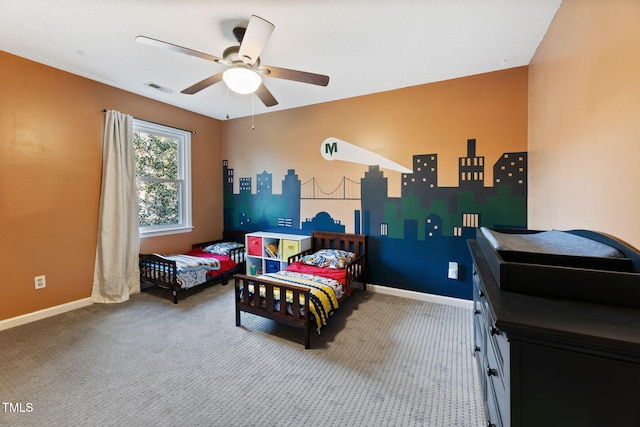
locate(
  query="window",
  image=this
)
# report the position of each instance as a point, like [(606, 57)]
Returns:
[(163, 176)]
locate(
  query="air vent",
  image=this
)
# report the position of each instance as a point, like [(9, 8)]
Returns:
[(158, 87)]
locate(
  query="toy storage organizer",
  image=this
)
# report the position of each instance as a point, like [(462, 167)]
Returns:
[(268, 252)]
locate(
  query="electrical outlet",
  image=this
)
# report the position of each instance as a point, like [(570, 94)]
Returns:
[(40, 281), (453, 270)]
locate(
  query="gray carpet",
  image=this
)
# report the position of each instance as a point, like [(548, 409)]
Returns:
[(382, 361)]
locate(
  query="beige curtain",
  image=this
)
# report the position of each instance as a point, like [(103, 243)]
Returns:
[(116, 274)]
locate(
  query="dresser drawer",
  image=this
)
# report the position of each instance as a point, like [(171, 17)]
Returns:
[(494, 418), (499, 345), (498, 380), (479, 351)]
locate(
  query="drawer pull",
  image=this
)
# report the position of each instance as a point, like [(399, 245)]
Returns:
[(476, 349), (480, 294), (490, 424), (476, 311), (495, 331), (491, 372)]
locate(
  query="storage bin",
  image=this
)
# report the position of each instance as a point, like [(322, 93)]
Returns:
[(272, 266), (289, 248), (254, 245)]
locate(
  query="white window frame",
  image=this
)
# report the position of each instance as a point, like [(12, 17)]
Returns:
[(184, 177)]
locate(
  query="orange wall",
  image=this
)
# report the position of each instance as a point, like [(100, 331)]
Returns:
[(50, 170), (584, 127), (433, 118)]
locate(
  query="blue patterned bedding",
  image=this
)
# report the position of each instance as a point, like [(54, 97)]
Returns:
[(192, 270)]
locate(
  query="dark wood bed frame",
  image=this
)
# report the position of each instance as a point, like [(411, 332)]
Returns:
[(356, 270), (161, 272)]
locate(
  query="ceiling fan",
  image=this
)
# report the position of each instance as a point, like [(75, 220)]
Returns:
[(243, 62)]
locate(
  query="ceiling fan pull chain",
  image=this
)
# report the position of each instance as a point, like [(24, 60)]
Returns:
[(252, 122)]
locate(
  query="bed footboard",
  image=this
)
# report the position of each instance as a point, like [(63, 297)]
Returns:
[(159, 271), (264, 304)]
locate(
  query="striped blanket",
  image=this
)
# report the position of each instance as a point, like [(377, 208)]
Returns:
[(323, 298), (192, 270), (189, 263)]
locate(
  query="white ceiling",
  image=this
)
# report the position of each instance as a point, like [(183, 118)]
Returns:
[(365, 46)]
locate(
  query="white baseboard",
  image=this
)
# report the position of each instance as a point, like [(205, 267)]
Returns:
[(44, 313), (438, 299)]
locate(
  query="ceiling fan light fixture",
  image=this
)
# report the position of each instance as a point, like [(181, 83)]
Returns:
[(242, 80), (254, 39)]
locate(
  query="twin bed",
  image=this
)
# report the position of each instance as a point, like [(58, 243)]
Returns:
[(207, 263), (313, 285)]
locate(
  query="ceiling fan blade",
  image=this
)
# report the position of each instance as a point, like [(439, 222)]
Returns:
[(255, 38), (298, 76), (265, 96), (174, 47), (203, 84)]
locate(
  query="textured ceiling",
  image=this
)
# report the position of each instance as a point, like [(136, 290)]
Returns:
[(365, 46)]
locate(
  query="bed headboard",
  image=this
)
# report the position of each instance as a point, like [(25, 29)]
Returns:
[(227, 236), (356, 243), (233, 236)]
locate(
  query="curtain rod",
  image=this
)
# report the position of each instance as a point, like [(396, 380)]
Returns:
[(192, 132)]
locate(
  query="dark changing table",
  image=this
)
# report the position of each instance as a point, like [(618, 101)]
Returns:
[(606, 270), (546, 359)]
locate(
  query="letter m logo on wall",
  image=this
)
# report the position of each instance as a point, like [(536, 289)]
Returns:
[(331, 147)]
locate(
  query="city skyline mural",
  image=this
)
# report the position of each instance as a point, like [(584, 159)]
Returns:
[(413, 237)]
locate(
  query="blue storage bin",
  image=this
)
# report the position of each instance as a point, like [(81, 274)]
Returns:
[(272, 266)]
